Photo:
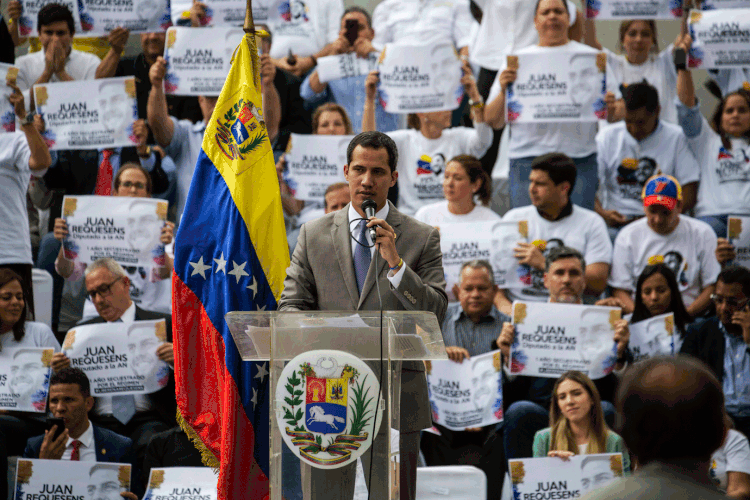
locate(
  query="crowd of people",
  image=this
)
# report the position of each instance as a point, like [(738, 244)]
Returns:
[(632, 212)]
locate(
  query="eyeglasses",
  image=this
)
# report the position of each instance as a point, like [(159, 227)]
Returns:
[(730, 301), (104, 290), (137, 185)]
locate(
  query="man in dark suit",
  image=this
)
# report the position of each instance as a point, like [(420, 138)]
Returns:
[(331, 271)]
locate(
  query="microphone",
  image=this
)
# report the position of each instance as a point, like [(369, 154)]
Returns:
[(369, 207)]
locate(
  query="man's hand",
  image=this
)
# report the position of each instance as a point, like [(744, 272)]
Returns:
[(613, 218), (724, 251), (16, 99), (129, 495), (529, 254), (621, 337), (158, 71), (167, 233), (470, 83), (610, 302), (60, 231), (457, 354), (140, 131), (742, 319), (267, 71), (507, 77), (386, 241), (53, 449), (15, 9), (371, 85), (118, 38), (59, 361), (197, 14), (363, 47), (505, 340), (54, 58), (341, 44), (39, 124), (166, 353)]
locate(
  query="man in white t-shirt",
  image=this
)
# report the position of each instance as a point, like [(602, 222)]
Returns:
[(629, 152), (553, 221), (685, 244)]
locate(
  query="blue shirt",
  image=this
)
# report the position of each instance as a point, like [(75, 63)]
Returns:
[(736, 374), (477, 338)]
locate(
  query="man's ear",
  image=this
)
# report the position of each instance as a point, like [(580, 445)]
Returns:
[(89, 403)]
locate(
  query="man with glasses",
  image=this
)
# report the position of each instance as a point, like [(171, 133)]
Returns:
[(722, 341)]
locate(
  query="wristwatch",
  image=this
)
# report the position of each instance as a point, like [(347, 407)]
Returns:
[(29, 120), (476, 104), (147, 154)]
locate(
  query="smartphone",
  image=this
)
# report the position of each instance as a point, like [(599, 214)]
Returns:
[(352, 30), (60, 423), (680, 59)]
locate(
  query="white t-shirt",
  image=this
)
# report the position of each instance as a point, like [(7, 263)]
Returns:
[(576, 140), (14, 182), (733, 456), (583, 230), (79, 65), (729, 80), (658, 70), (304, 27), (438, 213), (427, 22), (35, 335), (625, 164), (507, 27), (184, 149), (688, 251), (421, 161)]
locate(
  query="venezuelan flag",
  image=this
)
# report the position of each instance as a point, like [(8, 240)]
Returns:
[(231, 254)]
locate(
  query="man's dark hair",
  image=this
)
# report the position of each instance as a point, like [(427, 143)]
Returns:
[(736, 274), (558, 166), (478, 264), (563, 253), (72, 375), (641, 95), (671, 409), (359, 10), (53, 12), (374, 140)]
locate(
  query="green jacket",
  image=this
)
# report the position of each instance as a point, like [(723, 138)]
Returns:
[(615, 444)]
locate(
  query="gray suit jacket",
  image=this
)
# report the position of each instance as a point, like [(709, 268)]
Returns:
[(321, 278)]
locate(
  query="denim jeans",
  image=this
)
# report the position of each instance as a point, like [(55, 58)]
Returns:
[(584, 191), (717, 222)]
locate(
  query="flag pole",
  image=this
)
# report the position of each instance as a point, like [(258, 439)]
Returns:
[(249, 26)]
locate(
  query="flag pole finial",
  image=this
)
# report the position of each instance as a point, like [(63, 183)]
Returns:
[(249, 26)]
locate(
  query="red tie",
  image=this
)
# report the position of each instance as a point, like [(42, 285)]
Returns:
[(76, 455), (104, 177)]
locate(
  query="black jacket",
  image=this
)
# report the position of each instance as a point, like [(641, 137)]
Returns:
[(704, 340)]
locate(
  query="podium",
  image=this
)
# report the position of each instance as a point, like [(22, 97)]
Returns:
[(396, 337)]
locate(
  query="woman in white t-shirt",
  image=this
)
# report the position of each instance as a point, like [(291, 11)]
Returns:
[(641, 61), (424, 148), (721, 148), (530, 140), (465, 182)]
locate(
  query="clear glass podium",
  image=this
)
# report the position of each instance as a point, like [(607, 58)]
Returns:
[(278, 337)]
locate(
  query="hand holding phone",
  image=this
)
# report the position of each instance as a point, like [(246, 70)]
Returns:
[(60, 423)]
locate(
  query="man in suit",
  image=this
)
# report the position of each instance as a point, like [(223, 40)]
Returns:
[(414, 281), (140, 416)]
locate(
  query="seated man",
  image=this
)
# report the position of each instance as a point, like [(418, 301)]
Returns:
[(554, 221), (684, 244), (631, 151), (171, 448), (722, 341), (527, 399)]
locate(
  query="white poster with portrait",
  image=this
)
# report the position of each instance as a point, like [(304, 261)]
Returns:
[(38, 479), (198, 59), (550, 478), (633, 9), (119, 358), (8, 74), (182, 483), (738, 234), (225, 13), (721, 38), (99, 17), (552, 339), (725, 4), (125, 229), (557, 87), (24, 379), (466, 394), (340, 66), (420, 78), (492, 241), (29, 15), (88, 114), (313, 163), (652, 337)]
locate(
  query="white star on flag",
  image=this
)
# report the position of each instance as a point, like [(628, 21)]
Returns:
[(254, 287), (254, 399), (221, 264), (262, 372), (199, 268), (238, 271)]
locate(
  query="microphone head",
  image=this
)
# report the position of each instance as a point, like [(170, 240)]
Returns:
[(369, 203)]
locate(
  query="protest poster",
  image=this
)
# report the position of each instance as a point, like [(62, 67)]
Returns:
[(313, 163), (633, 9), (29, 15), (554, 338), (227, 13), (570, 88), (551, 478), (181, 483), (8, 74), (467, 394), (492, 241), (738, 234), (38, 479), (652, 337), (340, 66), (125, 229), (88, 114), (725, 4), (99, 17), (420, 78), (198, 59), (119, 358), (24, 379), (721, 38)]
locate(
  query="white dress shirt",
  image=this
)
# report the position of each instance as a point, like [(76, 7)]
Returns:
[(395, 279), (86, 450)]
